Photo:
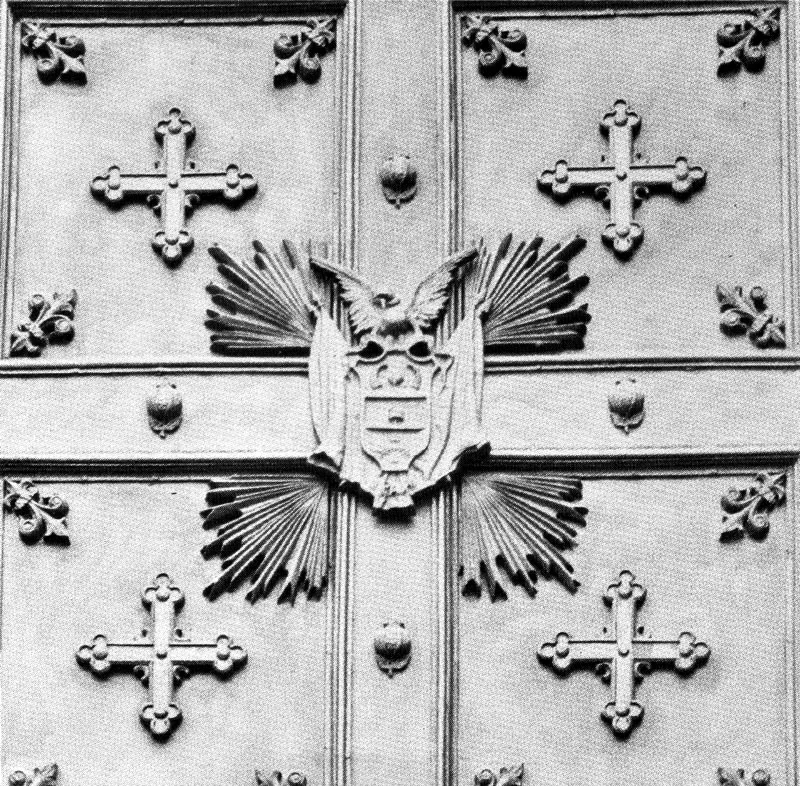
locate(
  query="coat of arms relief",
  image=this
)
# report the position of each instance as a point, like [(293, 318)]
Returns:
[(395, 400)]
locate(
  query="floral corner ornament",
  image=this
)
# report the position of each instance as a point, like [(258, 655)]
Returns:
[(56, 55), (739, 778), (626, 405), (746, 509), (745, 43), (297, 55), (498, 50), (49, 321), (165, 409), (508, 776), (40, 517), (46, 776), (750, 314)]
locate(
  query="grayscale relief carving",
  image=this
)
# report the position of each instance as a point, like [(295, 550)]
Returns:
[(392, 648), (39, 516), (44, 776), (750, 314), (745, 43), (50, 321), (297, 55), (56, 55), (623, 182), (740, 778), (273, 531), (398, 177), (175, 186), (625, 658), (514, 526), (746, 509), (276, 779), (499, 50), (163, 658), (165, 408), (511, 776), (414, 430), (626, 404)]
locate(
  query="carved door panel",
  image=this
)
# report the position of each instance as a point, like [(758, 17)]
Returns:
[(478, 467)]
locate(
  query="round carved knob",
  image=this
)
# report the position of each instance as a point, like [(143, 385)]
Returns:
[(165, 409), (626, 405), (399, 179), (392, 648)]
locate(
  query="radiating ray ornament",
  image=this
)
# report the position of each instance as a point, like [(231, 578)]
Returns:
[(395, 408)]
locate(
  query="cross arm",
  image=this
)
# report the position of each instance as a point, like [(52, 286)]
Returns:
[(223, 656), (233, 184), (564, 653), (100, 655), (685, 654), (680, 176), (563, 180), (115, 186)]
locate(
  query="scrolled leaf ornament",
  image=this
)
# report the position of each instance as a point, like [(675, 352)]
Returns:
[(55, 55), (508, 776), (739, 778), (40, 516), (46, 776), (276, 779), (746, 509), (498, 50), (50, 321), (745, 43), (750, 314), (297, 55)]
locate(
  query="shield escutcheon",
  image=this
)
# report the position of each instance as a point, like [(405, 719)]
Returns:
[(395, 407)]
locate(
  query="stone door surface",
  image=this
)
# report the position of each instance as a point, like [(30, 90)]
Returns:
[(399, 393)]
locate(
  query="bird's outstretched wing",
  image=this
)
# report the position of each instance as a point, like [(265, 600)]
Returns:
[(526, 297), (364, 317), (433, 293), (270, 302)]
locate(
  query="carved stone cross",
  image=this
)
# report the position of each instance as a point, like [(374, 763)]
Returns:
[(162, 661), (621, 183), (624, 659), (174, 189)]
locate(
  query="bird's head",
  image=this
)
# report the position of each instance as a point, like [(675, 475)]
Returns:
[(384, 300)]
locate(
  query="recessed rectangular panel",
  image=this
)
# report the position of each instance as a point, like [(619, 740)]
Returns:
[(636, 165), (732, 711), (133, 300), (268, 714)]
